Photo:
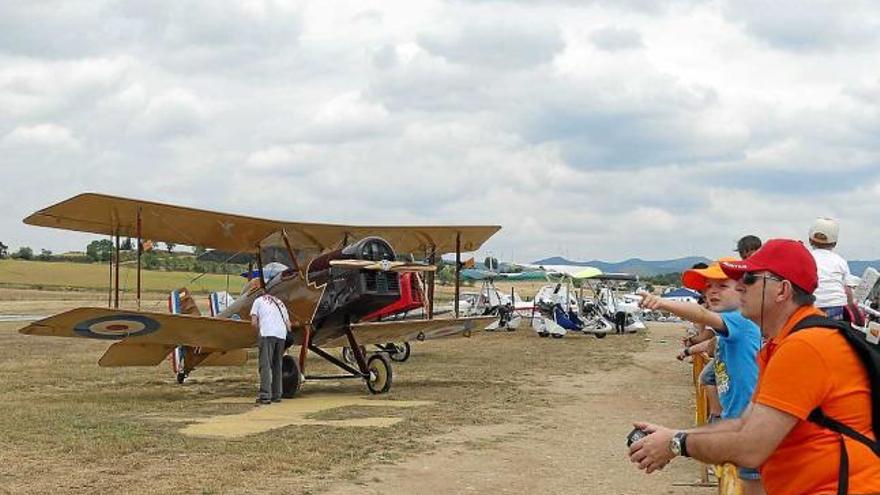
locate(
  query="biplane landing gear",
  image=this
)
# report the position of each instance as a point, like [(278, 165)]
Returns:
[(399, 353), (290, 377), (379, 378), (348, 355), (600, 335), (182, 376)]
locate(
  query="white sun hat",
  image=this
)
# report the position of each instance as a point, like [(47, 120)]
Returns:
[(824, 231)]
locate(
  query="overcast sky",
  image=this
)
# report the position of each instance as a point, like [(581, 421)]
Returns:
[(593, 129)]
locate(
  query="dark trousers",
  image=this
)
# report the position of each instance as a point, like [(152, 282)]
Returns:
[(620, 322), (271, 352)]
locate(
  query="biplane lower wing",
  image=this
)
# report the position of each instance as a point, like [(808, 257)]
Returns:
[(133, 354), (146, 329), (411, 330)]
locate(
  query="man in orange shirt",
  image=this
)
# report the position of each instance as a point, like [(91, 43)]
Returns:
[(799, 372)]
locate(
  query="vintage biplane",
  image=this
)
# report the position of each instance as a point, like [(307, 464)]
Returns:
[(335, 275)]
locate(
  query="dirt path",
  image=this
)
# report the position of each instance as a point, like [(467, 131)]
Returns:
[(578, 447)]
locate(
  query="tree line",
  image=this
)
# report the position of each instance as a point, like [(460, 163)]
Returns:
[(152, 258), (24, 253)]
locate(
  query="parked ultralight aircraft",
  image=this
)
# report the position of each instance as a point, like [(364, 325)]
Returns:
[(337, 275)]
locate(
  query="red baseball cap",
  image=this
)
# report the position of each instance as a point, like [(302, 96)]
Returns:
[(785, 258)]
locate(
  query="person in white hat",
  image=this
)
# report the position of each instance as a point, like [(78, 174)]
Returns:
[(833, 293)]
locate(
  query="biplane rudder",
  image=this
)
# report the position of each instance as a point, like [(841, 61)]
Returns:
[(219, 301), (181, 302)]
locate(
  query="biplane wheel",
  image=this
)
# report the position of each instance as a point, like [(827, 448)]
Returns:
[(600, 335), (181, 377), (348, 355), (402, 352), (290, 377), (558, 335), (379, 369)]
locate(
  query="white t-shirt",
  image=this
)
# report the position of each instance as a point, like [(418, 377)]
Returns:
[(273, 316), (833, 272)]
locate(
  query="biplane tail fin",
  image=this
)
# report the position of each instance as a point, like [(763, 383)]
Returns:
[(219, 301), (181, 302)]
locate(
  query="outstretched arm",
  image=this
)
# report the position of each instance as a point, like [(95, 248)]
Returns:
[(688, 311)]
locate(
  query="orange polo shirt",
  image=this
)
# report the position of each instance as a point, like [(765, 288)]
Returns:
[(802, 371)]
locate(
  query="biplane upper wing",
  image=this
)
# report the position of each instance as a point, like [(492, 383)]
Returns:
[(410, 330), (111, 215), (146, 329)]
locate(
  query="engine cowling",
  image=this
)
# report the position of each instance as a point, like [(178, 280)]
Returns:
[(358, 291)]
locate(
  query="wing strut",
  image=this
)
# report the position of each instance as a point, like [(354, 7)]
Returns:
[(307, 328), (260, 268), (457, 269), (290, 253), (432, 259), (110, 281), (140, 247), (116, 289)]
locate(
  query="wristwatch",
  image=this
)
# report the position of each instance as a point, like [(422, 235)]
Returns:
[(678, 444)]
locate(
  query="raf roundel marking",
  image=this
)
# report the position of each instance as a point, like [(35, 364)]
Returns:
[(116, 327)]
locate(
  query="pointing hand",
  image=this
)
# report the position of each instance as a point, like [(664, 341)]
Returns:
[(650, 301)]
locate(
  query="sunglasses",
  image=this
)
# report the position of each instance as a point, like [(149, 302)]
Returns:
[(750, 278)]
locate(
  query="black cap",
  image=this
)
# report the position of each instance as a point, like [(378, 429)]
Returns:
[(748, 244)]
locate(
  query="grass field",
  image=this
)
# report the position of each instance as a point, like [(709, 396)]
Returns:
[(72, 427), (61, 276), (44, 275)]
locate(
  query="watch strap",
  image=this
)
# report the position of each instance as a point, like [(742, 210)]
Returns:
[(682, 442)]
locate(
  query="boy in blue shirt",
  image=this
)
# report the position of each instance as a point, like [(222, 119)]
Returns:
[(739, 339)]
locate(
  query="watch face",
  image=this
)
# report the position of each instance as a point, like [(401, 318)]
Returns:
[(675, 445)]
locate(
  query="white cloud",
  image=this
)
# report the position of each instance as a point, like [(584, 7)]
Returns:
[(43, 136), (616, 39), (175, 113), (807, 26), (502, 45), (599, 129)]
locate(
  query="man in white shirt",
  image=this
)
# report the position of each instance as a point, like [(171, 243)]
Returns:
[(833, 293), (270, 317)]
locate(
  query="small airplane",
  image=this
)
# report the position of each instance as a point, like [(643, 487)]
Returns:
[(333, 276), (564, 311), (609, 301)]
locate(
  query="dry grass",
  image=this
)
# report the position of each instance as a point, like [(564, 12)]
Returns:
[(71, 427), (72, 276)]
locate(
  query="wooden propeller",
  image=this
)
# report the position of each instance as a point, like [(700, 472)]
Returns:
[(385, 266)]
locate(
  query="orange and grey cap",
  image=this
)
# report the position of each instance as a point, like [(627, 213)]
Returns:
[(697, 279)]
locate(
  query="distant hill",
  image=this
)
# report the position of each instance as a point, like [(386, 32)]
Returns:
[(645, 268), (635, 266)]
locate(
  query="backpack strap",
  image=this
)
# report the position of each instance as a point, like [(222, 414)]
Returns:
[(818, 416), (820, 321), (277, 304), (871, 360)]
